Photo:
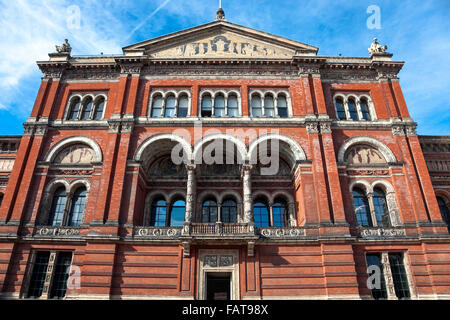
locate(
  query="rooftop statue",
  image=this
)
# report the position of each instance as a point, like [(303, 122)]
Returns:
[(376, 47), (64, 48)]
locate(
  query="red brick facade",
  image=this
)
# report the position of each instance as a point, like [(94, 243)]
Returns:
[(319, 253)]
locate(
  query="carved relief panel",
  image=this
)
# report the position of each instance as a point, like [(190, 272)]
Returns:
[(75, 154), (364, 154)]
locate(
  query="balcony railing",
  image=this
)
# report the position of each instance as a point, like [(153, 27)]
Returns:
[(206, 229)]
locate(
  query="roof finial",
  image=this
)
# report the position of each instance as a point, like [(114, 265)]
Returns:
[(220, 14)]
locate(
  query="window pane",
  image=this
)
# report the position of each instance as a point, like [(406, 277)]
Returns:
[(361, 207), (269, 110), (177, 214), (256, 106), (87, 108), (74, 110), (206, 106), (61, 274), (233, 108), (77, 207), (170, 107), (99, 109), (219, 106), (340, 109), (261, 214), (381, 210), (157, 107), (56, 215), (399, 276), (352, 109), (375, 260), (282, 106), (158, 214), (183, 106), (1, 199), (229, 211), (38, 275), (365, 110), (209, 212), (279, 211)]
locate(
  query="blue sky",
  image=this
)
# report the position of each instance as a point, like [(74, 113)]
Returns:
[(415, 31)]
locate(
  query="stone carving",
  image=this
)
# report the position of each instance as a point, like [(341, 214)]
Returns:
[(226, 261), (368, 172), (75, 154), (312, 127), (411, 131), (247, 190), (156, 232), (376, 47), (225, 45), (57, 231), (364, 154), (435, 165), (75, 172), (211, 261), (282, 232), (6, 165), (220, 14), (64, 48), (130, 68), (381, 232), (325, 127), (398, 131)]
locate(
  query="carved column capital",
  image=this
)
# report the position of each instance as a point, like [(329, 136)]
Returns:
[(398, 131), (312, 127), (325, 127)]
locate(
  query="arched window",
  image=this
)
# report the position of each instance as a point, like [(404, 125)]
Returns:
[(365, 109), (74, 109), (229, 211), (219, 105), (206, 105), (269, 110), (361, 207), (169, 111), (340, 109), (381, 209), (157, 105), (56, 215), (77, 207), (352, 109), (282, 106), (444, 211), (98, 110), (158, 213), (256, 106), (87, 108), (280, 213), (209, 211), (233, 107), (261, 213), (177, 212), (183, 106)]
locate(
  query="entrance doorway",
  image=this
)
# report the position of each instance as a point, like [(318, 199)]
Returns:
[(218, 286)]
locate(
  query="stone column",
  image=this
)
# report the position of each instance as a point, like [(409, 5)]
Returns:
[(373, 215), (247, 191), (388, 276), (292, 219), (190, 194)]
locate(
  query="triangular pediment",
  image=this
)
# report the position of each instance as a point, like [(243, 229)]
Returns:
[(221, 39)]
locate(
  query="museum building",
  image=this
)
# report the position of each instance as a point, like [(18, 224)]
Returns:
[(222, 162)]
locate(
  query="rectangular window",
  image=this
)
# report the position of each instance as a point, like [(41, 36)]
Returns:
[(54, 273), (62, 269), (374, 259), (399, 276), (38, 275)]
